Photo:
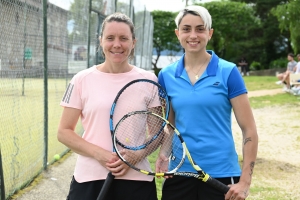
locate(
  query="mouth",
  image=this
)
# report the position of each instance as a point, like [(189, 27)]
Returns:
[(193, 42), (117, 53)]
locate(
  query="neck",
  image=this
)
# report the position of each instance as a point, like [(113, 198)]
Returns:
[(114, 68)]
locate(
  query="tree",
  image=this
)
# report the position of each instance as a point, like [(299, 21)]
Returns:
[(164, 37), (275, 42), (288, 14), (233, 24)]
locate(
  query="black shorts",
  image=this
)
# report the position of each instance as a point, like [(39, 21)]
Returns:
[(179, 188), (120, 190)]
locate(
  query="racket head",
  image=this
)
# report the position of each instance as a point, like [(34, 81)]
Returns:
[(143, 137), (139, 94)]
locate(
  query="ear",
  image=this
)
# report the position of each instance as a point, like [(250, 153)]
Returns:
[(211, 31), (177, 32), (100, 40), (133, 43)]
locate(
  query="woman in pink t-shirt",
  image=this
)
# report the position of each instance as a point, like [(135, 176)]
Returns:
[(89, 96)]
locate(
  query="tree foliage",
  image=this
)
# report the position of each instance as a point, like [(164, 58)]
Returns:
[(164, 37), (288, 15), (233, 24), (275, 43)]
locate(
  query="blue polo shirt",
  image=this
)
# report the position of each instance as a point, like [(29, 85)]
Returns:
[(203, 113)]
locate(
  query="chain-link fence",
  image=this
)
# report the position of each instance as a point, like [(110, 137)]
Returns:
[(30, 90)]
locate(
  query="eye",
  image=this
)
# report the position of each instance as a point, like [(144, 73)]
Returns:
[(185, 29), (201, 29)]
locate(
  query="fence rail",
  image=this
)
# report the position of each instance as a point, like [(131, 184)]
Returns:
[(32, 82)]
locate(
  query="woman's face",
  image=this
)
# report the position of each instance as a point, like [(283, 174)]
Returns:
[(117, 42), (192, 34)]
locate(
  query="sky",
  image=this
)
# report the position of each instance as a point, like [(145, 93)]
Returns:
[(166, 5)]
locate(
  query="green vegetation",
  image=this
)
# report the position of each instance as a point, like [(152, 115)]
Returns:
[(254, 83)]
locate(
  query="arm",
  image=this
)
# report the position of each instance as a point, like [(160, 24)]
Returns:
[(245, 119), (68, 137)]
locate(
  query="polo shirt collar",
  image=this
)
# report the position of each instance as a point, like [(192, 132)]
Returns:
[(211, 68)]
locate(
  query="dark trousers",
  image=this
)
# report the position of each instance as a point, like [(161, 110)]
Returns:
[(120, 190), (178, 188), (245, 68)]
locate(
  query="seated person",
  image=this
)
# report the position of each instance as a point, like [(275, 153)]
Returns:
[(285, 76), (296, 88)]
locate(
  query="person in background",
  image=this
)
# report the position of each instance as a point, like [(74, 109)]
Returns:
[(203, 91), (296, 89), (284, 78), (90, 95), (244, 66), (297, 68)]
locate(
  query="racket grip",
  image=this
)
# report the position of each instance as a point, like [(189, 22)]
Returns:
[(218, 185), (105, 188)]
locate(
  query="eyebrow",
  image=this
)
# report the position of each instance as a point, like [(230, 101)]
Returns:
[(202, 25)]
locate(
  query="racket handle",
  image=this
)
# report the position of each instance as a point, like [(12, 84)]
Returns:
[(105, 188), (218, 185)]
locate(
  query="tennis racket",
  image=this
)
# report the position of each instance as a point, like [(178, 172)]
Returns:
[(143, 135), (139, 94)]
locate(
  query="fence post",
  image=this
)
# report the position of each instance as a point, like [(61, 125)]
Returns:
[(89, 34), (45, 6), (2, 187)]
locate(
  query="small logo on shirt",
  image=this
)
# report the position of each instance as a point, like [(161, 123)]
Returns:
[(68, 93), (216, 84)]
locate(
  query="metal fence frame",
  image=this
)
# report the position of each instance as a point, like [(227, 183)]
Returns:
[(42, 66)]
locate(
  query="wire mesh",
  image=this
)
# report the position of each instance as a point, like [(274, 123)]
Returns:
[(22, 81)]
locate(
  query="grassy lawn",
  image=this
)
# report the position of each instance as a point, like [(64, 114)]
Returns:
[(254, 83)]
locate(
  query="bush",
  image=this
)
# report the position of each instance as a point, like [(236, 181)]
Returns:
[(279, 63), (256, 66)]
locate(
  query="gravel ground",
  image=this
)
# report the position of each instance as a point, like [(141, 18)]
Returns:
[(55, 181)]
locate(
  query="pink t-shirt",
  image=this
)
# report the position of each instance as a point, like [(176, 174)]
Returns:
[(93, 92)]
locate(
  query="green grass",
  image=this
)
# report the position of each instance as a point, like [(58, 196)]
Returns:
[(254, 83), (274, 100), (22, 128)]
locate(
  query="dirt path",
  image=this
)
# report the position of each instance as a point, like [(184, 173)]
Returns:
[(264, 92), (277, 169)]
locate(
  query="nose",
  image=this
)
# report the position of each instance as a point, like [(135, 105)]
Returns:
[(193, 34), (117, 43)]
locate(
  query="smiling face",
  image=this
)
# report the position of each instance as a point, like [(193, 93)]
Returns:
[(192, 34), (117, 42)]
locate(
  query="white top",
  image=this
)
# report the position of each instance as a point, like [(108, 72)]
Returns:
[(297, 68)]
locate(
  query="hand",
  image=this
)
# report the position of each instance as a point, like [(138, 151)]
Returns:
[(239, 191), (117, 166), (103, 156), (162, 165)]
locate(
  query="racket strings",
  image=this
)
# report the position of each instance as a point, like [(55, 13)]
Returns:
[(140, 96), (141, 136)]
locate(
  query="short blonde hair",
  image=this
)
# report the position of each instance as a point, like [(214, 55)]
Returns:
[(198, 11)]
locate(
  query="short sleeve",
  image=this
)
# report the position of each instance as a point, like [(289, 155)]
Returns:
[(72, 96), (236, 84)]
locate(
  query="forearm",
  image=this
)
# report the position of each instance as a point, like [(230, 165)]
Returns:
[(77, 144), (250, 145)]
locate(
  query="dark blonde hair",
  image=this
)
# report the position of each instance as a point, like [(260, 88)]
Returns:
[(119, 17)]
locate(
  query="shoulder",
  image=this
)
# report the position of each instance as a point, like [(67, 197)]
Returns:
[(226, 64), (142, 73), (83, 74), (226, 67)]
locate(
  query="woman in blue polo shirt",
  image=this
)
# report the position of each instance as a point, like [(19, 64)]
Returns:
[(204, 89)]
